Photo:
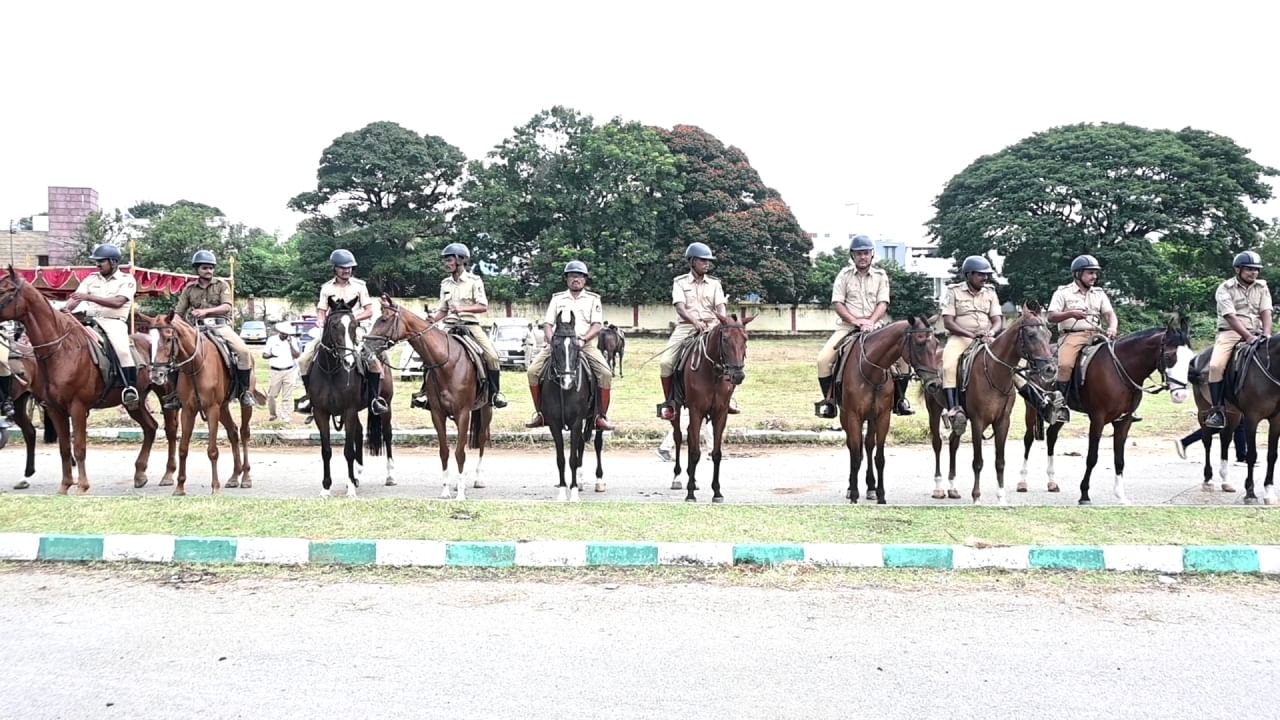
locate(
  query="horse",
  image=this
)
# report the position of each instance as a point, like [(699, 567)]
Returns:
[(450, 381), (1111, 392), (568, 403), (204, 386), (337, 396), (1257, 398), (712, 371), (989, 396), (69, 382), (24, 405), (867, 392), (612, 345)]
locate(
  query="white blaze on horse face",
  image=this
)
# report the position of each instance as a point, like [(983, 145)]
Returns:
[(345, 321), (566, 379), (154, 336), (1178, 373)]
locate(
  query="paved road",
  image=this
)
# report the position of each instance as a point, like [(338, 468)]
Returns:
[(94, 645), (776, 474)]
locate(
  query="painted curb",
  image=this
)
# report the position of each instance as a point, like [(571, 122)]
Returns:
[(1171, 559)]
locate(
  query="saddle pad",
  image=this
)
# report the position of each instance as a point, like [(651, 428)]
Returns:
[(966, 364), (843, 352), (684, 353), (1084, 360), (476, 356), (107, 362)]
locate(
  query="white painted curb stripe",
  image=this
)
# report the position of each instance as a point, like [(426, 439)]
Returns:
[(406, 553), (551, 553), (1268, 559), (1154, 558), (142, 548), (275, 551), (19, 546), (866, 555), (1011, 557), (695, 553)]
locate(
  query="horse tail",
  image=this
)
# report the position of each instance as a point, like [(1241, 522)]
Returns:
[(50, 432), (375, 434), (474, 441)]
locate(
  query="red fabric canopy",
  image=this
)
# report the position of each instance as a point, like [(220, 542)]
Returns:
[(62, 281)]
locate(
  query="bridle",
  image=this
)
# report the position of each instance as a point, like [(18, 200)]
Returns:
[(1024, 352), (385, 342), (169, 334), (8, 299), (573, 362), (722, 369), (908, 351), (339, 354)]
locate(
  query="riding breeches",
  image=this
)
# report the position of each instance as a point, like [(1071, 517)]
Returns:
[(117, 332), (486, 345), (1069, 348), (1222, 347), (951, 354), (667, 361), (590, 353), (244, 359)]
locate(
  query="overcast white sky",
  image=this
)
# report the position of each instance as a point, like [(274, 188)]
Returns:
[(231, 103)]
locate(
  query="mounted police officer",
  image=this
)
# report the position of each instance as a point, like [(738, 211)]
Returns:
[(1244, 315), (698, 298), (462, 304), (109, 294), (588, 318), (970, 311), (206, 304), (860, 299), (6, 374), (345, 288)]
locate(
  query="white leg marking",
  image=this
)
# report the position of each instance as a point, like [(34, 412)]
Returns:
[(1049, 469), (391, 469), (351, 490), (561, 495), (324, 493), (573, 494), (1119, 489), (1001, 498)]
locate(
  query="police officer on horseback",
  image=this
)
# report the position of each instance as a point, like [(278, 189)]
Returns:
[(462, 302), (860, 299), (344, 287), (6, 375), (206, 304), (109, 294), (698, 298), (1082, 311), (970, 311), (588, 317), (1244, 316)]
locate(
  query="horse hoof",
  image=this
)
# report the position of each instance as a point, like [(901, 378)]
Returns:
[(22, 485), (600, 487), (690, 499), (562, 495), (324, 493), (1084, 501), (1268, 501), (1022, 486), (938, 495), (675, 485), (1053, 487), (953, 494), (245, 484), (478, 483), (1206, 487), (444, 493), (351, 490), (880, 501), (390, 482), (717, 499), (1228, 488), (139, 481), (232, 483), (1249, 500), (166, 481)]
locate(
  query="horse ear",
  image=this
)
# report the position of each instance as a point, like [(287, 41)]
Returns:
[(386, 301), (169, 318), (747, 320)]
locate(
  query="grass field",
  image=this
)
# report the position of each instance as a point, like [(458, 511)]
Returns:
[(778, 394)]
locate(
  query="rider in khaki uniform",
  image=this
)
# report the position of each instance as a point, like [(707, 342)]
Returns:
[(462, 302), (697, 297), (1081, 311), (588, 318), (1244, 315), (206, 303), (109, 294), (860, 298), (970, 311), (346, 288), (6, 375)]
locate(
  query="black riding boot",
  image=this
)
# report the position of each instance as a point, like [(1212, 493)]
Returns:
[(900, 404), (496, 398), (6, 403), (129, 396), (1064, 414), (304, 403), (825, 408), (1217, 419), (246, 390), (373, 386), (1040, 400), (956, 416)]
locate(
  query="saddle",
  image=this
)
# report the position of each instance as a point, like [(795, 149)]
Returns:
[(1075, 388), (684, 353), (1233, 378), (476, 356), (104, 356), (225, 354), (844, 350), (963, 370)]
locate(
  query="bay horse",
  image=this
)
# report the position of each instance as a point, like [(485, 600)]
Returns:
[(449, 380), (67, 380), (612, 345), (712, 371), (337, 396), (1258, 399), (204, 383), (989, 396), (568, 393), (866, 397), (1111, 393)]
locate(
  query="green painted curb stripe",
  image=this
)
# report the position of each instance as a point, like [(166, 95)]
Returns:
[(480, 554), (1223, 559), (76, 548), (343, 552), (767, 554), (938, 557), (1066, 558), (204, 550), (618, 554)]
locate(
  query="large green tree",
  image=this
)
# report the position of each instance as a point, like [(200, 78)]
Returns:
[(385, 193), (1163, 211)]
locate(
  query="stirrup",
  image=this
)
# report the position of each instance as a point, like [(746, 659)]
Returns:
[(824, 409), (498, 400), (378, 406), (902, 407), (419, 401), (1217, 419), (602, 423), (666, 411), (959, 422), (129, 396), (246, 399)]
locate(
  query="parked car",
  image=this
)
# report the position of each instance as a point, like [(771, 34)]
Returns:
[(302, 328), (508, 335), (253, 331)]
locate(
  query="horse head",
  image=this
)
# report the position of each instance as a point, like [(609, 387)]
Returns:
[(730, 347), (922, 353), (164, 347), (1035, 344), (339, 337), (387, 330), (566, 354), (10, 295), (1176, 356)]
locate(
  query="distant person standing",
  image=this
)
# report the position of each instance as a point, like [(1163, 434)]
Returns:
[(282, 354)]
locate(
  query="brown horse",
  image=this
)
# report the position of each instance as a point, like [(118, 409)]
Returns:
[(612, 344), (867, 396), (1258, 399), (68, 381), (989, 396), (204, 386), (712, 371), (450, 383), (1111, 393)]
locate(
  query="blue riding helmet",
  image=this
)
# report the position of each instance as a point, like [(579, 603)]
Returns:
[(106, 252), (576, 266), (342, 258), (699, 250), (1248, 259), (457, 249), (861, 242)]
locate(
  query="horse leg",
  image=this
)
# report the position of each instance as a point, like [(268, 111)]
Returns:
[(22, 417), (213, 414), (1224, 469), (1273, 434), (978, 428), (1095, 436), (460, 452), (953, 446), (442, 439), (718, 424), (1206, 441), (386, 447), (868, 447), (171, 438), (599, 445), (621, 351), (676, 438), (1120, 435), (188, 424), (242, 458), (233, 439), (935, 438), (61, 422), (1028, 441), (1050, 442), (143, 417), (577, 448), (881, 433), (1250, 427), (353, 451), (695, 452), (79, 433), (557, 434), (322, 421), (853, 439), (1001, 435)]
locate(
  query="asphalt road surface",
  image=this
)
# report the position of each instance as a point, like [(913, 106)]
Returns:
[(749, 474), (92, 644)]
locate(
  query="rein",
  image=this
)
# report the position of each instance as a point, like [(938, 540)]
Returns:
[(1014, 370), (389, 340), (722, 369)]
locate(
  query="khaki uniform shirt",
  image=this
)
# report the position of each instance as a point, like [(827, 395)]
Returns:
[(586, 308), (119, 283), (860, 293), (1093, 302), (196, 297), (700, 297), (468, 289), (972, 310), (354, 288), (1246, 303)]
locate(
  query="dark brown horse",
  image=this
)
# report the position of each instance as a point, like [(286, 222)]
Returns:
[(450, 383), (24, 405), (1258, 399), (867, 396), (68, 381), (204, 386), (612, 345), (715, 368), (568, 403), (1111, 393), (989, 396)]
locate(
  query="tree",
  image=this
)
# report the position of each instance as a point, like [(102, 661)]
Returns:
[(102, 228), (1163, 211), (174, 236), (385, 193), (146, 210)]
